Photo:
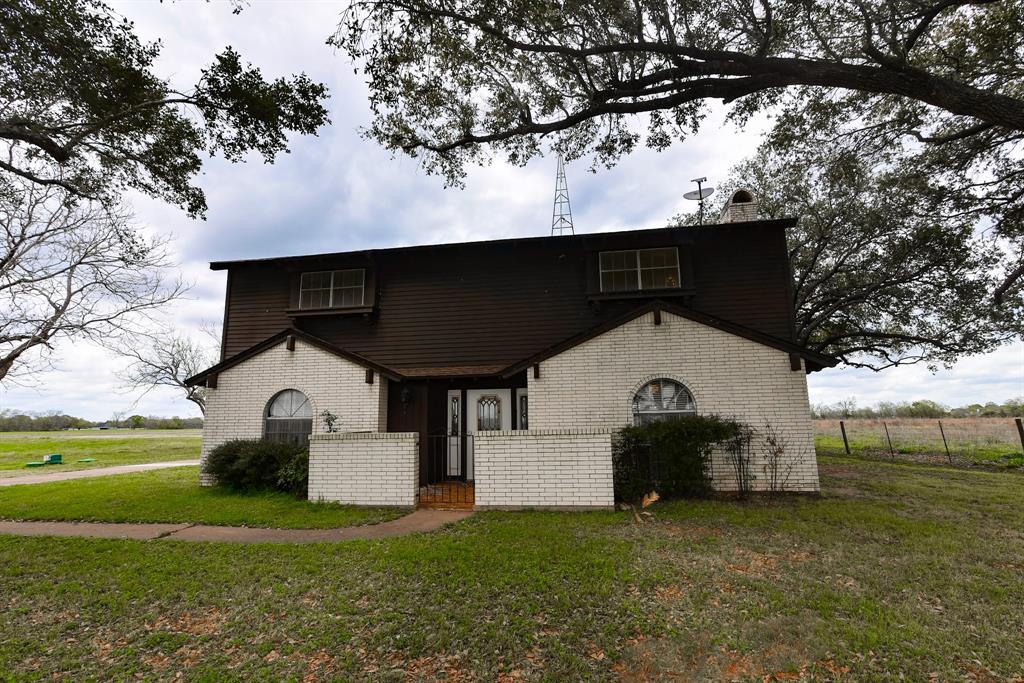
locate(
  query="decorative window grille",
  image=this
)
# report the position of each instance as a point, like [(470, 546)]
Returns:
[(289, 417), (661, 400), (454, 427), (332, 289), (488, 413), (524, 412), (639, 269)]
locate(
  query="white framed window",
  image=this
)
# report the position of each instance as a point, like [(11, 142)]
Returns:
[(635, 270), (661, 400), (332, 289), (288, 417)]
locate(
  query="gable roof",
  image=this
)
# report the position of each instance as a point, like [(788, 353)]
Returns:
[(813, 358), (280, 337), (553, 241)]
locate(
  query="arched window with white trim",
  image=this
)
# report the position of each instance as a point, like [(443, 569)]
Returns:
[(288, 417), (660, 400)]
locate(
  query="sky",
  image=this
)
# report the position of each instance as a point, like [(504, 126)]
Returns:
[(338, 192)]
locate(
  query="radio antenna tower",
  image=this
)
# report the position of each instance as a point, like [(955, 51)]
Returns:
[(561, 214)]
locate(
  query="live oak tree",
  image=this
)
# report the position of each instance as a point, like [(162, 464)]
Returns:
[(882, 277), (72, 270), (82, 109), (930, 85)]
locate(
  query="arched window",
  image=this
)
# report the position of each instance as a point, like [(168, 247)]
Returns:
[(660, 400), (289, 417)]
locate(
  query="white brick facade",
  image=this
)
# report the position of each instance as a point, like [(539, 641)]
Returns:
[(582, 396), (591, 386), (364, 468), (235, 409), (558, 468)]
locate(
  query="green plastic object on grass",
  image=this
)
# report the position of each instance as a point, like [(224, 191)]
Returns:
[(37, 463), (87, 460), (53, 459)]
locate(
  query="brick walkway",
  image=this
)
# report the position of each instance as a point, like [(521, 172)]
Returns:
[(18, 479), (419, 521)]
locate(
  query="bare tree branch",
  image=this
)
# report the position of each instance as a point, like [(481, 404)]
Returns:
[(72, 269)]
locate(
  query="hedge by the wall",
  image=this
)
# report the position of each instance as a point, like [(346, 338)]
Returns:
[(672, 458)]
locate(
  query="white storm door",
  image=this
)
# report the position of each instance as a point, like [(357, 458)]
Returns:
[(486, 410)]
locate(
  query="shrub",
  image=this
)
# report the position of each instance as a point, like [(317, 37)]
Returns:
[(259, 465), (672, 458), (293, 477)]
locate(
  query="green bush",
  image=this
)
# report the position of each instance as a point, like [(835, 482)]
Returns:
[(259, 465), (673, 457), (293, 477)]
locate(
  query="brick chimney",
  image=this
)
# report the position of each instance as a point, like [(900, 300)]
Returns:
[(741, 207)]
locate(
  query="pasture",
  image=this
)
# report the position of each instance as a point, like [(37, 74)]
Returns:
[(971, 441), (109, 448)]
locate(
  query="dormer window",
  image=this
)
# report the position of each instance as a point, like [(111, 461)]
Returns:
[(639, 269), (332, 289)]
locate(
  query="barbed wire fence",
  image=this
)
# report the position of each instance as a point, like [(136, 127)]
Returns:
[(955, 441)]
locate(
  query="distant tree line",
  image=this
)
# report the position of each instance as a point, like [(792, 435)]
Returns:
[(921, 408), (15, 421)]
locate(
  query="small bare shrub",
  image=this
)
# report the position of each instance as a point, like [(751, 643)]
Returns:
[(777, 467), (738, 453)]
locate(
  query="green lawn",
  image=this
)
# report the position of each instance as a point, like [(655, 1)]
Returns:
[(898, 571), (174, 495), (121, 447)]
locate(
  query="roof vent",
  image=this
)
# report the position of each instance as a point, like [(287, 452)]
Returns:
[(741, 207)]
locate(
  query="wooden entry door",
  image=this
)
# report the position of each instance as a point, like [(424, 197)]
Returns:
[(485, 410)]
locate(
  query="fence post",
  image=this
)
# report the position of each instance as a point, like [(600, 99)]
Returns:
[(945, 443), (846, 442), (892, 453), (1020, 432)]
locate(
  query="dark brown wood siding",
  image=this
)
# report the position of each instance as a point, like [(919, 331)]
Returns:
[(480, 304)]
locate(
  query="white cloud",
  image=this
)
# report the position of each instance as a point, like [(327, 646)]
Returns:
[(995, 376), (338, 192)]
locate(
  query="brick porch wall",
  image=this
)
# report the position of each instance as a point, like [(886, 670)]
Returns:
[(235, 409), (364, 468), (559, 468), (591, 386)]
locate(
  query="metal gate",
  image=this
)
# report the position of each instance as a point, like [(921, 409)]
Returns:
[(446, 466)]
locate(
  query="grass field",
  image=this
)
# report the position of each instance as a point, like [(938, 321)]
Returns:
[(989, 441), (897, 572), (174, 495), (121, 447)]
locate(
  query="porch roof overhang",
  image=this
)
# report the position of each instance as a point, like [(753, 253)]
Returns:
[(814, 360), (281, 337)]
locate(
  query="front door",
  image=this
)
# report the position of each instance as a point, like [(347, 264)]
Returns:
[(486, 410)]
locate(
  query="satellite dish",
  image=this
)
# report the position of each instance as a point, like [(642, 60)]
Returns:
[(702, 193), (699, 195)]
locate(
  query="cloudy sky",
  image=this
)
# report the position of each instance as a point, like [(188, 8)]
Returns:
[(338, 192)]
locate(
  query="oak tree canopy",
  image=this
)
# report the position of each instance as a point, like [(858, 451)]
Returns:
[(933, 86), (82, 109)]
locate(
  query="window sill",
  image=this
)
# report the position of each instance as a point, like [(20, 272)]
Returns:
[(317, 312), (642, 294)]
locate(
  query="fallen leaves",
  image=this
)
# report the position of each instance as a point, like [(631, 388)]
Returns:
[(755, 564), (665, 593), (207, 624)]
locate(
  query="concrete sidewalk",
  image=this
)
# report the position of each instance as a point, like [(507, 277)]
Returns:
[(420, 521), (17, 480)]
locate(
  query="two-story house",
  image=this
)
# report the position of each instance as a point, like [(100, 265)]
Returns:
[(495, 373)]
